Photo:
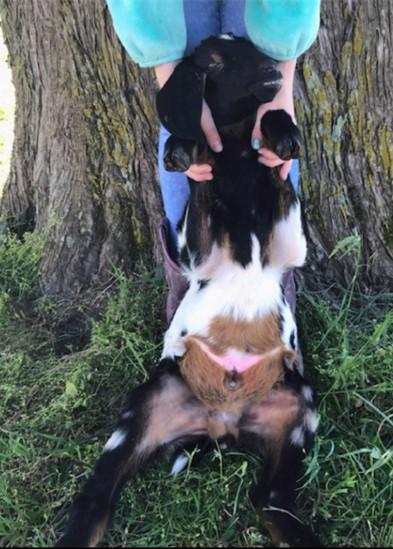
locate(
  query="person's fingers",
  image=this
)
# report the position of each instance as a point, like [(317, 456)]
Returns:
[(268, 154), (286, 168), (256, 134), (209, 129), (200, 168), (200, 177), (200, 172), (256, 138), (270, 163)]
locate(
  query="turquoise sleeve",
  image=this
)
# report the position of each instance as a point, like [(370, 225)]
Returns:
[(144, 30), (282, 29)]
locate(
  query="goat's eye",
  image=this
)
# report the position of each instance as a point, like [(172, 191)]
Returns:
[(217, 58)]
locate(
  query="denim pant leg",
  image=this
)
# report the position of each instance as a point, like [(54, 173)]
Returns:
[(294, 175), (232, 17), (174, 188), (202, 19)]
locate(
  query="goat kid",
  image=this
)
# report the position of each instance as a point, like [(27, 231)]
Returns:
[(230, 367)]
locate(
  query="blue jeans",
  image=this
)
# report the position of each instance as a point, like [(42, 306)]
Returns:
[(203, 19)]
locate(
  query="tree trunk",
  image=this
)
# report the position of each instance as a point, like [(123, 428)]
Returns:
[(84, 163), (345, 115)]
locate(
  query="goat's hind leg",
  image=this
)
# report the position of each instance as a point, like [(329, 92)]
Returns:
[(286, 423), (161, 411)]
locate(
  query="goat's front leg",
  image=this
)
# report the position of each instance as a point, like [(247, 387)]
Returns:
[(280, 134), (287, 245), (180, 153), (161, 411), (285, 423)]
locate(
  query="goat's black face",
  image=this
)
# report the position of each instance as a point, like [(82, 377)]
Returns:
[(230, 73), (239, 77)]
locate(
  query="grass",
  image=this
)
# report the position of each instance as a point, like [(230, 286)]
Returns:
[(59, 401), (57, 410)]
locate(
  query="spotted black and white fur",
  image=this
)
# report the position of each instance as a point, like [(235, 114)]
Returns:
[(239, 236)]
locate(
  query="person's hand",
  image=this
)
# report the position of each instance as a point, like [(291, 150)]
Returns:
[(204, 172), (283, 100), (198, 172)]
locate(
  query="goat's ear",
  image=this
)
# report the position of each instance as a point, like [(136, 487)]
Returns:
[(267, 85), (179, 102)]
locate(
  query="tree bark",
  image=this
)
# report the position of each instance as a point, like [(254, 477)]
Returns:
[(345, 114), (84, 163)]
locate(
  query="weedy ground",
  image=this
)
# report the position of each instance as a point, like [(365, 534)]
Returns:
[(59, 401), (62, 388)]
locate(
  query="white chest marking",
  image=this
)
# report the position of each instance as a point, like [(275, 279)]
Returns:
[(232, 291)]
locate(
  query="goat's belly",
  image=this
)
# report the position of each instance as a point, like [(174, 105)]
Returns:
[(232, 360), (236, 292), (222, 288), (224, 383), (239, 298)]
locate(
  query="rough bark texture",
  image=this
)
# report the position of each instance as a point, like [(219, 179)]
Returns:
[(345, 114), (83, 168)]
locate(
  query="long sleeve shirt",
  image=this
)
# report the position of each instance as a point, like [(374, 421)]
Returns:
[(154, 31)]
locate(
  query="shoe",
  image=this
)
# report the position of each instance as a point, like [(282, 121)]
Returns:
[(177, 282), (289, 284)]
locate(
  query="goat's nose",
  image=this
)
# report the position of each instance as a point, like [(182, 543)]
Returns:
[(288, 147)]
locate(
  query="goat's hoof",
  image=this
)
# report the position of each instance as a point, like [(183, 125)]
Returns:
[(179, 154), (281, 135)]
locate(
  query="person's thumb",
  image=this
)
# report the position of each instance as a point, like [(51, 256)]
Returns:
[(209, 129), (256, 134)]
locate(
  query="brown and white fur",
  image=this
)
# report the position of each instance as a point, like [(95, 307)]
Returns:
[(230, 367)]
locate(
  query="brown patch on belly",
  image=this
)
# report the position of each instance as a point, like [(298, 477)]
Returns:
[(229, 391), (222, 390), (258, 336)]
